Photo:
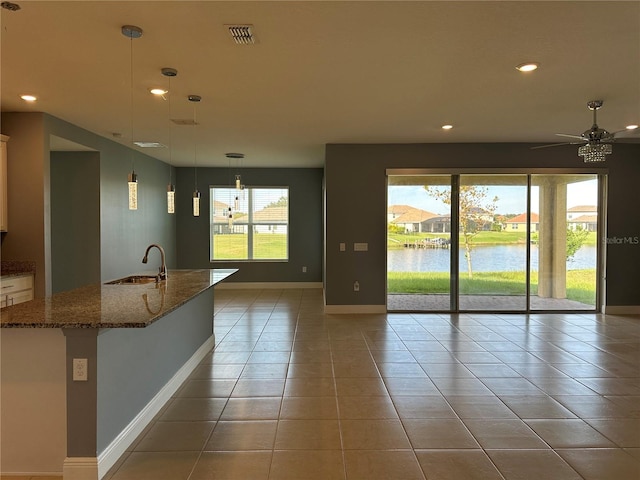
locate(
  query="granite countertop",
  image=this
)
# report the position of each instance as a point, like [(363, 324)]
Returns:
[(113, 306), (13, 268)]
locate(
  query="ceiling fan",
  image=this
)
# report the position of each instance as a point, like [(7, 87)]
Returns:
[(596, 142)]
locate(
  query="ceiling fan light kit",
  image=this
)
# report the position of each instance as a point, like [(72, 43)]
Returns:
[(597, 141), (595, 152)]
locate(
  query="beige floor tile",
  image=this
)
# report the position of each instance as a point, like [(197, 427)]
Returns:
[(532, 406), (382, 465), (602, 464), (569, 433), (366, 407), (352, 369), (323, 356), (401, 370), (175, 437), (157, 465), (311, 408), (504, 433), (258, 408), (438, 433), (232, 466), (257, 387), (269, 357), (307, 464), (242, 435), (206, 388), (479, 407), (457, 465), (219, 372), (461, 386), (373, 435), (310, 370), (360, 386), (308, 435), (634, 452), (267, 370), (532, 465), (310, 387), (423, 406), (624, 432), (410, 386), (193, 409), (446, 370)]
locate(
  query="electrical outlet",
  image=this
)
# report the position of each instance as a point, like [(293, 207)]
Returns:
[(80, 366), (304, 269), (356, 286)]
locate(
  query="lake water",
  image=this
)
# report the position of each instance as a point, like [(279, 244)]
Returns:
[(493, 258)]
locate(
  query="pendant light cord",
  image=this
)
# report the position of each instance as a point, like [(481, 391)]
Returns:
[(131, 106)]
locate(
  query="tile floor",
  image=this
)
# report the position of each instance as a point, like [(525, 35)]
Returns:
[(292, 393)]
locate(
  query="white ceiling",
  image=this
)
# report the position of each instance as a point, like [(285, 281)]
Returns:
[(324, 72)]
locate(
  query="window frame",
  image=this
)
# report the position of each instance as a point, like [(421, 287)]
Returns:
[(248, 222)]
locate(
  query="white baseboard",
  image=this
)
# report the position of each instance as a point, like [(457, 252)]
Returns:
[(265, 285), (80, 468), (110, 455), (355, 309), (621, 309)]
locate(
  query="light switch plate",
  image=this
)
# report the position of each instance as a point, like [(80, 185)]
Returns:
[(360, 247)]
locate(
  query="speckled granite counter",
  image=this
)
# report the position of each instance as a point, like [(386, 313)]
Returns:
[(113, 306), (12, 268)]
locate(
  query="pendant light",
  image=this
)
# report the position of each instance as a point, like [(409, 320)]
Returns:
[(171, 189), (196, 194), (238, 184), (132, 32)]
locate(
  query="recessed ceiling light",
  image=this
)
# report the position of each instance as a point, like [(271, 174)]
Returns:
[(447, 127), (631, 127), (28, 98), (158, 91), (527, 67), (150, 144)]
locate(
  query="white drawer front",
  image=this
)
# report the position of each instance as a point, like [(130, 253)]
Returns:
[(15, 284)]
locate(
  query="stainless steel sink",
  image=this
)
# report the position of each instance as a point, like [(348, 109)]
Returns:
[(134, 279)]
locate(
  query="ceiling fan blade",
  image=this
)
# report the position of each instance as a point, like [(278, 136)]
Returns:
[(555, 145), (626, 133), (570, 136)]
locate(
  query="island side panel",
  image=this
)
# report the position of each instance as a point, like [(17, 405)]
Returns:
[(33, 401), (134, 364)]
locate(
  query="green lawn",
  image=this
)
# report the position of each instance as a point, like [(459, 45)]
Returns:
[(266, 246), (580, 284)]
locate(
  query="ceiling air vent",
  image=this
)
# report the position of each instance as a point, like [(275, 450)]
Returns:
[(242, 34), (184, 121)]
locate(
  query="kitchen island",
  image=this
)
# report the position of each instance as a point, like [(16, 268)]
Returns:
[(84, 371)]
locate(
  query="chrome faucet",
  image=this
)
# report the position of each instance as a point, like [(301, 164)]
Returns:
[(163, 268)]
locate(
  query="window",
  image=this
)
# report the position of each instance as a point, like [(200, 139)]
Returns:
[(259, 226)]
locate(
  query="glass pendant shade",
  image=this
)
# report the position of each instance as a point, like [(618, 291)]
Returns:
[(238, 182), (196, 203), (595, 152), (133, 191), (171, 198)]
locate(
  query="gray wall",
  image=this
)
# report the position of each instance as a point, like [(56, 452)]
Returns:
[(124, 234), (356, 207), (134, 364), (305, 222), (75, 220)]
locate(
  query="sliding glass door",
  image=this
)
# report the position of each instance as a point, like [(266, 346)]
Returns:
[(492, 239), (565, 253), (493, 242), (419, 243)]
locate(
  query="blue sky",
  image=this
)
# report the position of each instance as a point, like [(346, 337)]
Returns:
[(510, 199)]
